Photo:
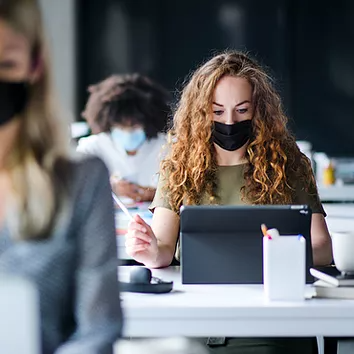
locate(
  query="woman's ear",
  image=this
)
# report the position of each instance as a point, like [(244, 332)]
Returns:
[(37, 70)]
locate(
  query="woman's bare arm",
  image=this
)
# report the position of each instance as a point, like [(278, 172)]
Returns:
[(321, 241)]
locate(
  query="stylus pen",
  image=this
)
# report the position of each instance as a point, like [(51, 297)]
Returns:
[(122, 206)]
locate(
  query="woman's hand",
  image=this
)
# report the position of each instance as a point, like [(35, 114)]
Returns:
[(122, 187), (141, 242), (146, 194)]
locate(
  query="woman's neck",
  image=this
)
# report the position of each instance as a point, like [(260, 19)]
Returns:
[(8, 134), (230, 158)]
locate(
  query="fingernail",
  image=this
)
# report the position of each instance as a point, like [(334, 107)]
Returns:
[(144, 230)]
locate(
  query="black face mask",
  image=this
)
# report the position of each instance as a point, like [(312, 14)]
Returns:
[(13, 99), (231, 137)]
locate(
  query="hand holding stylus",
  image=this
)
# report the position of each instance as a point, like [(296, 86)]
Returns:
[(140, 241)]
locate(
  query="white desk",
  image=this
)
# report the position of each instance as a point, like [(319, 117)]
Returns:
[(79, 129), (231, 311), (339, 210), (336, 193), (340, 217)]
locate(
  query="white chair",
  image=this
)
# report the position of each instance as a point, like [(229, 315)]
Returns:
[(159, 346), (19, 316)]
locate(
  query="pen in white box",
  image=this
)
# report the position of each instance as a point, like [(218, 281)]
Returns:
[(122, 206), (269, 233), (273, 234)]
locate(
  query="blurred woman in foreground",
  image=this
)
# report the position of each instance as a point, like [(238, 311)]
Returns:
[(56, 214)]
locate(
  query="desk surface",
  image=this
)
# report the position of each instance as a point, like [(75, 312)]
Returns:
[(336, 193), (230, 310)]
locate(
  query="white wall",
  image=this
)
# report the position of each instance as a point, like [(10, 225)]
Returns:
[(59, 17)]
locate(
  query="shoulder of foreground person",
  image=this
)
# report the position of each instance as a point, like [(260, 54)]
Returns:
[(97, 312)]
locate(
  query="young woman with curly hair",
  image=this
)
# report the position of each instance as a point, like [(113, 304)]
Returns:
[(230, 145), (130, 112)]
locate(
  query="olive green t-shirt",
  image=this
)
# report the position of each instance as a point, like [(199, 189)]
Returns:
[(230, 180)]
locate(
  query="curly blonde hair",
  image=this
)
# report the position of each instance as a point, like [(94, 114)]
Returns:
[(275, 163)]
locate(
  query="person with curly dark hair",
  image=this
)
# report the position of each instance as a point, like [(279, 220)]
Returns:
[(97, 94), (131, 113), (230, 146)]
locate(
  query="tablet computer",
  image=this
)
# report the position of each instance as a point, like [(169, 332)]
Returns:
[(224, 244)]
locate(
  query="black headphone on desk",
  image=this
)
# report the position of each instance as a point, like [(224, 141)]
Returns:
[(141, 281)]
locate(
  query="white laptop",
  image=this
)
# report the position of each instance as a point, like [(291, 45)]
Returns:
[(19, 316)]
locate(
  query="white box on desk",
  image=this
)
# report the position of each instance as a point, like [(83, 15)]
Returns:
[(284, 268)]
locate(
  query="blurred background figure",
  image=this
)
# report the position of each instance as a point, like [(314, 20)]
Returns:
[(97, 95), (130, 112), (56, 214)]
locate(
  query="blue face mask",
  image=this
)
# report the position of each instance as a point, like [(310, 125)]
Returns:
[(128, 140)]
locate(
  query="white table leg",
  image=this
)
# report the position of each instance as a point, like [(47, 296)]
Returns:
[(345, 346)]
